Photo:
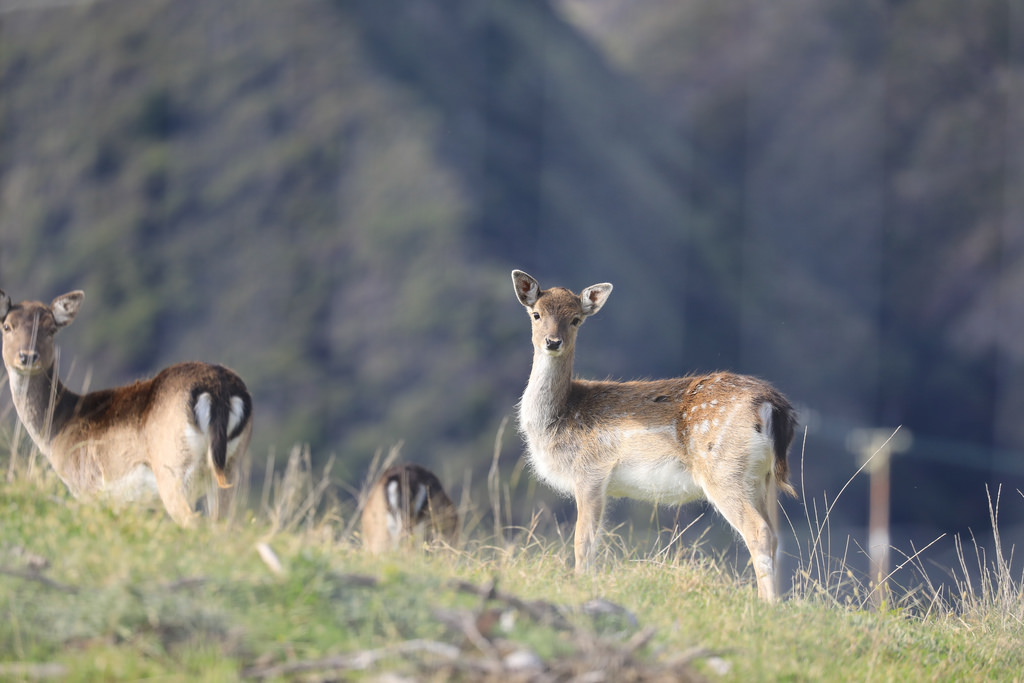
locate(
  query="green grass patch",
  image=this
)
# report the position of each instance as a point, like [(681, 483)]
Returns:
[(90, 593)]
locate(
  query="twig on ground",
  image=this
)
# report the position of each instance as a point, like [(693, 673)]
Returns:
[(356, 661), (29, 575), (543, 612), (32, 670)]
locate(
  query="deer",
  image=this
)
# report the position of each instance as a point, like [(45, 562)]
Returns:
[(406, 501), (170, 437), (720, 437)]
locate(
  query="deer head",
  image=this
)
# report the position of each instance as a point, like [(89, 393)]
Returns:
[(29, 329), (557, 313)]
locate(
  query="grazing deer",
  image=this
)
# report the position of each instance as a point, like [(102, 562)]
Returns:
[(165, 436), (720, 436), (407, 500)]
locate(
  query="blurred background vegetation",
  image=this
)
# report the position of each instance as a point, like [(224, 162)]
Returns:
[(328, 196)]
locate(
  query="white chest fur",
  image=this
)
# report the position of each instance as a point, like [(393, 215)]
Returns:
[(551, 458), (551, 465)]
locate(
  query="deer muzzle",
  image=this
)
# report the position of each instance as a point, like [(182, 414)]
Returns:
[(28, 359)]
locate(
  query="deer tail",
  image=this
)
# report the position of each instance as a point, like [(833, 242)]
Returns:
[(218, 452), (779, 420), (222, 419)]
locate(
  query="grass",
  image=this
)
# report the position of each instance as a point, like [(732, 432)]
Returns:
[(282, 591)]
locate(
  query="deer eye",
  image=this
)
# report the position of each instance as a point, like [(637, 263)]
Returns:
[(7, 327), (576, 322), (536, 315)]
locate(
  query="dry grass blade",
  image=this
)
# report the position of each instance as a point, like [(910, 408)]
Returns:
[(378, 464), (493, 481), (297, 494), (821, 573), (909, 560), (997, 591)]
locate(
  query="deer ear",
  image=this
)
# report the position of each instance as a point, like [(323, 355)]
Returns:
[(527, 289), (5, 304), (65, 307), (593, 297)]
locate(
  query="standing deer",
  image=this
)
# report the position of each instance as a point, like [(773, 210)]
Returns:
[(171, 435), (405, 501), (720, 437)]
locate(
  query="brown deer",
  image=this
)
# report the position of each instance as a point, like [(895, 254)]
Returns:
[(721, 437), (171, 435), (406, 501)]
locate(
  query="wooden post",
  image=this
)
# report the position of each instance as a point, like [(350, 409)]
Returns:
[(875, 448)]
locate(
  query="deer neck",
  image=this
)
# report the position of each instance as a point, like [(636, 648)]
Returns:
[(547, 392), (41, 401)]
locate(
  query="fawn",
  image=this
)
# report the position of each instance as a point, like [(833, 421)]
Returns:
[(405, 501), (169, 436), (720, 437)]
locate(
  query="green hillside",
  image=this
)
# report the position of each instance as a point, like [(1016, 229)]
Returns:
[(88, 594)]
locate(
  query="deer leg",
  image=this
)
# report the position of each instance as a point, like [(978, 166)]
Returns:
[(172, 492), (218, 497), (218, 500), (590, 500), (753, 524)]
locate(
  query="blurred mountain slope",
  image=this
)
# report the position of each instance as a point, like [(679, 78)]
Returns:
[(877, 149), (328, 195)]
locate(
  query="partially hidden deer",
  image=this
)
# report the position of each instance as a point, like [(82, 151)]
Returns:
[(407, 501), (719, 437), (171, 436)]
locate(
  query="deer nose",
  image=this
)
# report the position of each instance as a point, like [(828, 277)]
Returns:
[(552, 344), (28, 357)]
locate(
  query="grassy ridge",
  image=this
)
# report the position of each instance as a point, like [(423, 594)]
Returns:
[(87, 593)]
